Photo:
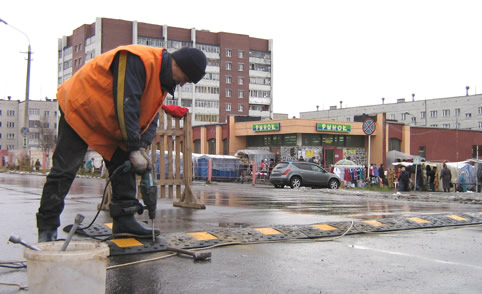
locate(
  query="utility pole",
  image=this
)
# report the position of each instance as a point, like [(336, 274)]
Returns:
[(24, 130)]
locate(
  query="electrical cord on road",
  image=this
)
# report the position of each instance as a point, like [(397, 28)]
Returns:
[(102, 201), (233, 243)]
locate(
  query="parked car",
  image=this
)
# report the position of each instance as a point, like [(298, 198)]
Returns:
[(297, 174)]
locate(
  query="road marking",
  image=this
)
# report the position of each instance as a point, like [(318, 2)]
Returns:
[(126, 242), (456, 217), (418, 220), (325, 227), (416, 256), (374, 223), (202, 236), (268, 231)]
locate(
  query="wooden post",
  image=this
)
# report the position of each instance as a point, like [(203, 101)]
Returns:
[(188, 200)]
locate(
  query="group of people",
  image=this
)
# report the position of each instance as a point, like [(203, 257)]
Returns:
[(432, 177)]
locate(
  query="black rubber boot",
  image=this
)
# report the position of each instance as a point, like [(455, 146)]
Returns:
[(127, 225), (47, 235)]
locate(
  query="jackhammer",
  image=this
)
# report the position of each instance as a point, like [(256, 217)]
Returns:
[(148, 189)]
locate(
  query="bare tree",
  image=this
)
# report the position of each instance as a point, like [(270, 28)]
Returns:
[(47, 136)]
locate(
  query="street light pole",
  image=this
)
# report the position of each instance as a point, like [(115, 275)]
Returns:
[(27, 86)]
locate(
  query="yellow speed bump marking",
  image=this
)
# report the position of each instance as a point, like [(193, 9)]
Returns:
[(109, 225), (456, 217), (325, 227), (374, 223), (202, 236), (127, 242), (267, 231), (419, 220)]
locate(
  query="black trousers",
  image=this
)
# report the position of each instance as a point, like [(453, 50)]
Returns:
[(67, 159)]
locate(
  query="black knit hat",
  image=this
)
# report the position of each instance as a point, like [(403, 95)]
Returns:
[(192, 62)]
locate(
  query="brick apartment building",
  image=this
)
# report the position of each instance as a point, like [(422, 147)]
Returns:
[(239, 72)]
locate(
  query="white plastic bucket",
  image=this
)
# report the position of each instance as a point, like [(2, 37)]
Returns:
[(79, 269)]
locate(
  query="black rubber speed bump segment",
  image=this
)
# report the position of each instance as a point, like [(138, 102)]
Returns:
[(191, 240), (226, 236), (124, 246), (95, 230)]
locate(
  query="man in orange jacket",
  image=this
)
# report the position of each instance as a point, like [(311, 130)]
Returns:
[(111, 104)]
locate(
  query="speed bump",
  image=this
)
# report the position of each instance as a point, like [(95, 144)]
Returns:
[(246, 235)]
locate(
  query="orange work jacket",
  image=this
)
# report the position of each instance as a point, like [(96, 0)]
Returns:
[(88, 103)]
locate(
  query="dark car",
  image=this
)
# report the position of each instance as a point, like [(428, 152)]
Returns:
[(297, 174)]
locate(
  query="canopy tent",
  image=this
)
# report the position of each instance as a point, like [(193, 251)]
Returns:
[(256, 155), (394, 155), (345, 163)]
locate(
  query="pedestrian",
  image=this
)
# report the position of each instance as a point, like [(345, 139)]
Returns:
[(404, 179), (111, 104), (432, 178), (446, 177), (37, 164), (381, 174)]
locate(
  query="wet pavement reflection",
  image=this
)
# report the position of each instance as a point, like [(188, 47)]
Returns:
[(301, 201)]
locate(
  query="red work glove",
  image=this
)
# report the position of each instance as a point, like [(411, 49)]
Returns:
[(174, 110)]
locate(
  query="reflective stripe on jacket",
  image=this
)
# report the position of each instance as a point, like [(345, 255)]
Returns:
[(88, 103)]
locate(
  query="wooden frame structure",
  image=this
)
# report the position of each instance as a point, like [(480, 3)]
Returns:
[(171, 136)]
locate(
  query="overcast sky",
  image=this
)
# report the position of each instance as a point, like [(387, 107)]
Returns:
[(355, 51)]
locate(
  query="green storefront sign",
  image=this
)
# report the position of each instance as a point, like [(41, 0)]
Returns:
[(325, 127), (266, 127)]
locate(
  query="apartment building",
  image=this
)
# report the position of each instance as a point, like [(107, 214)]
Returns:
[(239, 72), (42, 124), (461, 112)]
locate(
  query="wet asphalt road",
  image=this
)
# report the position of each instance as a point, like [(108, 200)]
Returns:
[(421, 261)]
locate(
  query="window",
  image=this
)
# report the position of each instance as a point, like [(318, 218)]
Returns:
[(212, 146), (228, 52), (421, 151), (240, 94), (434, 125), (457, 112), (197, 146), (348, 119), (311, 139), (422, 114), (228, 79), (240, 54), (433, 113), (403, 116), (228, 65), (10, 112), (446, 126), (240, 66), (10, 124), (228, 106), (394, 144), (392, 116), (10, 136), (457, 125), (240, 107), (34, 111), (46, 113), (228, 92), (480, 110), (240, 81), (480, 124), (446, 112), (468, 115), (414, 119), (225, 146)]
